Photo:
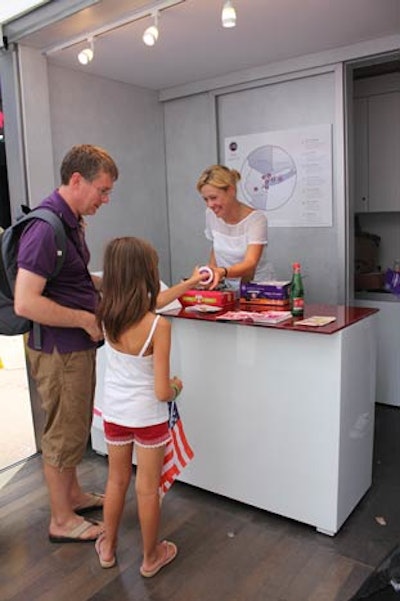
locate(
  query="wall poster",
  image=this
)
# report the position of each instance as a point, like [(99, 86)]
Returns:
[(287, 173)]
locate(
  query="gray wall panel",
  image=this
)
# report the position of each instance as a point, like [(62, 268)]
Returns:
[(36, 123), (128, 122), (190, 147), (290, 105), (195, 127)]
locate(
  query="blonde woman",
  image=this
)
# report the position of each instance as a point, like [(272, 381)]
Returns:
[(237, 231)]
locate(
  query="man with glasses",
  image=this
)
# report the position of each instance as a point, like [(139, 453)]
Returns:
[(64, 368)]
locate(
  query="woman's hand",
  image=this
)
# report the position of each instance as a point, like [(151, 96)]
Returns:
[(219, 275)]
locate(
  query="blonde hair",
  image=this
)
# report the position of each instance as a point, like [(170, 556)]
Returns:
[(218, 176)]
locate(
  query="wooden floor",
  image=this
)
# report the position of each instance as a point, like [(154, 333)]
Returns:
[(227, 551)]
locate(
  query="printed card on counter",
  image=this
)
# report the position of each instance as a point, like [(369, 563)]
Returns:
[(260, 317), (203, 308), (315, 321)]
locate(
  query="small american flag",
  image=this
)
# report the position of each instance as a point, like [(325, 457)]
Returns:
[(178, 451)]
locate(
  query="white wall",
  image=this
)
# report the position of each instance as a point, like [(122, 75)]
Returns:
[(36, 124), (128, 122), (190, 145), (195, 127), (295, 103)]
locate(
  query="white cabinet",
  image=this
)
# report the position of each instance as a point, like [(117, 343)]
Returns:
[(377, 152), (384, 152), (388, 358)]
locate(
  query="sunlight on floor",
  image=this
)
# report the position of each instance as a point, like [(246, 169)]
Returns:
[(16, 427), (9, 474)]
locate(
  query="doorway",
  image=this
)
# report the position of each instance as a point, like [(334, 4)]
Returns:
[(374, 207), (5, 213), (16, 425), (373, 103), (16, 429)]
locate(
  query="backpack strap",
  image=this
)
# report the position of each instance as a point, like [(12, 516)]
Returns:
[(61, 243), (59, 231)]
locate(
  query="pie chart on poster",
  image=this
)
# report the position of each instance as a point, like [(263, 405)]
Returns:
[(269, 177)]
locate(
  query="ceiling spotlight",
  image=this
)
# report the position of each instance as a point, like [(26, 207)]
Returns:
[(150, 36), (86, 55), (228, 16)]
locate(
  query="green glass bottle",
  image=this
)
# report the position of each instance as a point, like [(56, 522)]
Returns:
[(297, 292)]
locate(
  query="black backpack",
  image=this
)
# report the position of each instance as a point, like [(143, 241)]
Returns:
[(10, 323)]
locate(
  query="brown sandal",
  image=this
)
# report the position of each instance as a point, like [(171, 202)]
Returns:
[(75, 534)]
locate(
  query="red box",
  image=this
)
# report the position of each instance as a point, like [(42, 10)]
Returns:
[(267, 302), (214, 298)]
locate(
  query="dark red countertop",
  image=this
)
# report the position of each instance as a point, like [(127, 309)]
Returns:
[(346, 315)]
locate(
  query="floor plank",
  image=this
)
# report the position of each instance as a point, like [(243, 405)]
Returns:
[(227, 550)]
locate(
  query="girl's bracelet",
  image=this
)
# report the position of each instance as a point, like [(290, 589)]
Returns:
[(176, 390)]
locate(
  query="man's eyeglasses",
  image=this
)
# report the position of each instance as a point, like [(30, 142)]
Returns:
[(102, 192)]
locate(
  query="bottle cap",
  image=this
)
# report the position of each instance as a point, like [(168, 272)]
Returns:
[(296, 266)]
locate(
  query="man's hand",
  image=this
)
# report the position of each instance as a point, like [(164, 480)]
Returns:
[(91, 326)]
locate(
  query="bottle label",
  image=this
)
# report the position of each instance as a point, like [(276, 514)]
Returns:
[(298, 303), (297, 306)]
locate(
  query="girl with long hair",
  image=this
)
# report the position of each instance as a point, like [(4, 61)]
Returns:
[(137, 387)]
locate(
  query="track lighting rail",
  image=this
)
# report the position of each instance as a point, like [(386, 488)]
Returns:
[(113, 25)]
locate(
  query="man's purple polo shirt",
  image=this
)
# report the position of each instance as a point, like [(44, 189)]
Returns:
[(73, 286)]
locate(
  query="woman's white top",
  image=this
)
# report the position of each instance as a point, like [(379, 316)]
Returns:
[(129, 398), (230, 242)]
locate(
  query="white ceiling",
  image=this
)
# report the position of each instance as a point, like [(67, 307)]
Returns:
[(193, 45), (17, 7)]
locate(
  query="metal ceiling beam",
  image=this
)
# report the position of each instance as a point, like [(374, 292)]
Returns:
[(43, 16)]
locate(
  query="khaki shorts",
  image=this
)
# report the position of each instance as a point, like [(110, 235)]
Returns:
[(65, 383)]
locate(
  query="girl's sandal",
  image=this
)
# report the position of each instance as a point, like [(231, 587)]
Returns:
[(170, 551)]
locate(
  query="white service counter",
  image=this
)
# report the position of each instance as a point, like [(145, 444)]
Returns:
[(279, 419)]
